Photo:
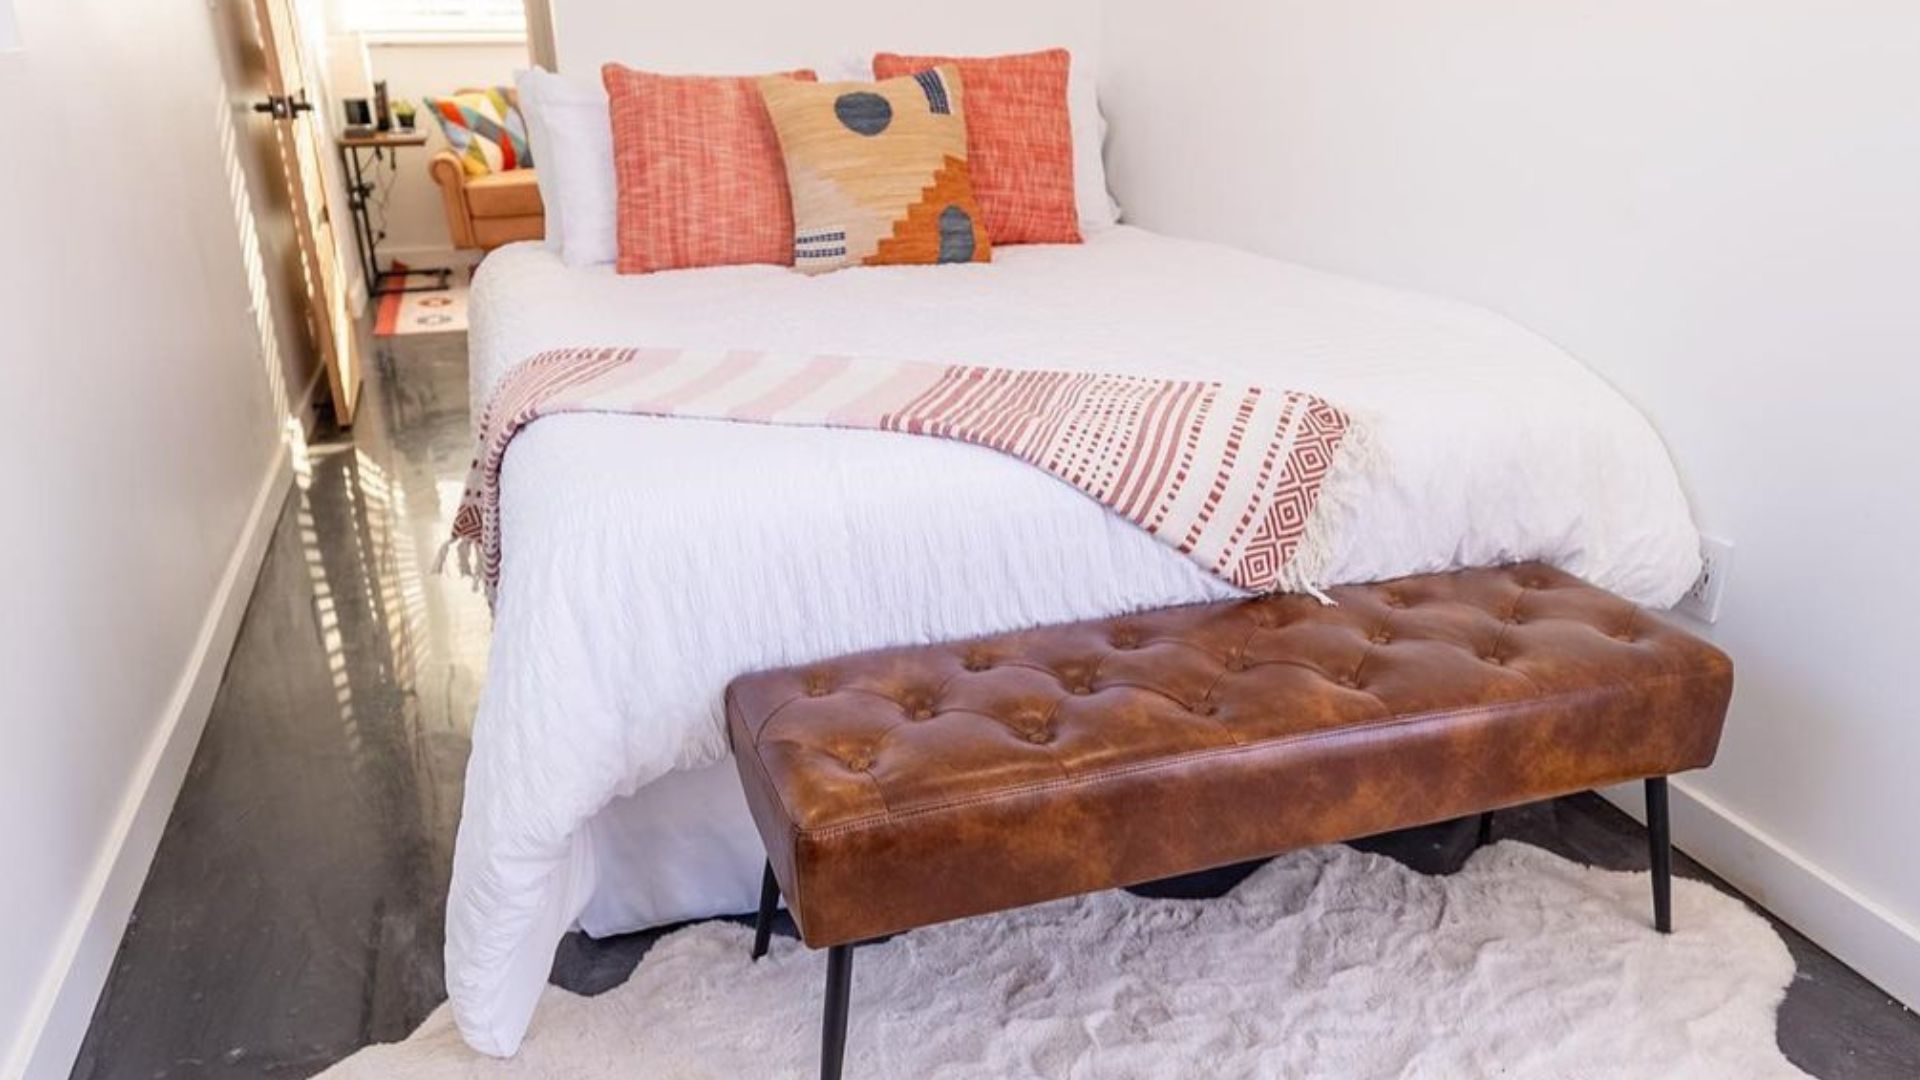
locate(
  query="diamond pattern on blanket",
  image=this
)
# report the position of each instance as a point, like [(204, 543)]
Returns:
[(1230, 476)]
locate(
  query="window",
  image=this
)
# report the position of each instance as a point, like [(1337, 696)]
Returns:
[(437, 16)]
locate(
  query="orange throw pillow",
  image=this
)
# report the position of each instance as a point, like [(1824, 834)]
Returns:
[(701, 182), (1019, 140), (878, 171)]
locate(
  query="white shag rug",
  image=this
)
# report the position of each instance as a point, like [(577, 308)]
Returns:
[(1325, 963)]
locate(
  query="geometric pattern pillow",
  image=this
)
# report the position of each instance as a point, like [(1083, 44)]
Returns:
[(878, 171), (1019, 140), (485, 129), (698, 173)]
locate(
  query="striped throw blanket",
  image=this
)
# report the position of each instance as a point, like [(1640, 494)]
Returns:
[(1230, 476)]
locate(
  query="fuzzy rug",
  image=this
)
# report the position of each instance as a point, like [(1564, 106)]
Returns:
[(1325, 963)]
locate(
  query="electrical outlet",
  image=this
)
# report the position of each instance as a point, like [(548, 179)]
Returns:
[(1702, 601)]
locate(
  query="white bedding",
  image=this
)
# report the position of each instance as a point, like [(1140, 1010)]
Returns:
[(648, 561)]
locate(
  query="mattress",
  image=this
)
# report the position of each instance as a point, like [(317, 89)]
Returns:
[(647, 561)]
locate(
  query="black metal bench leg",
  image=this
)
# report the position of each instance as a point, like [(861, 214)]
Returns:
[(763, 923), (1660, 845), (833, 1028), (1485, 836)]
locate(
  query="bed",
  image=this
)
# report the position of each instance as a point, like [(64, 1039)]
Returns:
[(648, 561)]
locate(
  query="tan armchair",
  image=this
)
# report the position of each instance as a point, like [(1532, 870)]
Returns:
[(486, 211)]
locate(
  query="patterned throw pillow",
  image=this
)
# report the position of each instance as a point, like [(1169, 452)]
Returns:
[(698, 166), (485, 128), (1019, 140), (878, 171)]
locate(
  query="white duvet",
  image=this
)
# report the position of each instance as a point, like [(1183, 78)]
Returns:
[(648, 561)]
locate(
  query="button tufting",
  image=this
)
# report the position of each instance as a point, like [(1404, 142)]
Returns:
[(1331, 701)]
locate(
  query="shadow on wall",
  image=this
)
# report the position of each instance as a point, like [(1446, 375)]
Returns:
[(1730, 236)]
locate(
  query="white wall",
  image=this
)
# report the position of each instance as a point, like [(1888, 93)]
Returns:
[(139, 440), (750, 36), (1716, 203)]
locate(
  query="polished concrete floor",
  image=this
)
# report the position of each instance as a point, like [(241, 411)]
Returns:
[(294, 910)]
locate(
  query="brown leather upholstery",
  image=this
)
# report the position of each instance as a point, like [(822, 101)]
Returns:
[(905, 787), (515, 193), (487, 211)]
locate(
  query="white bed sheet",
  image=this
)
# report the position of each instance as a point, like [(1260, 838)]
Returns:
[(648, 561)]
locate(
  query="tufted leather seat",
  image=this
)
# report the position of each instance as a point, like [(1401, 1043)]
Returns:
[(905, 787)]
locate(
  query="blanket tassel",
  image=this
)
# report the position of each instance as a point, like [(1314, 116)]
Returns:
[(1358, 458)]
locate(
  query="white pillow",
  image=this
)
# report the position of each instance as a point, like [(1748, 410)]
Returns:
[(575, 165), (1096, 205), (527, 85)]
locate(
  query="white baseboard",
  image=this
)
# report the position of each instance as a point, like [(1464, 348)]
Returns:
[(1867, 937), (50, 1037), (423, 256)]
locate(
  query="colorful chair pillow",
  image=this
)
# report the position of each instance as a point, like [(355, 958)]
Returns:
[(698, 170), (1019, 140), (878, 171), (485, 129)]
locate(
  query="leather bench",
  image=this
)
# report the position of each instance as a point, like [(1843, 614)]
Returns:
[(905, 787)]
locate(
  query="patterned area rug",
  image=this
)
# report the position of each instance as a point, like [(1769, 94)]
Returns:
[(439, 311), (1327, 962)]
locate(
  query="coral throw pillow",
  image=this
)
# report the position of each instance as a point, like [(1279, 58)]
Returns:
[(1019, 140), (878, 171), (699, 173), (485, 129)]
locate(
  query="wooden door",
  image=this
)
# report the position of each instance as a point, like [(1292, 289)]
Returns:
[(290, 105), (279, 294)]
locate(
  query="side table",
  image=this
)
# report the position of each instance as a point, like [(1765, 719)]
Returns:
[(355, 153)]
